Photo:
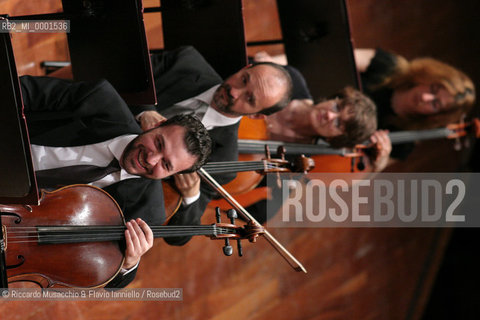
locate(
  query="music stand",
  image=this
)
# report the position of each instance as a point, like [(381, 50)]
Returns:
[(316, 34), (17, 175), (107, 40), (214, 27)]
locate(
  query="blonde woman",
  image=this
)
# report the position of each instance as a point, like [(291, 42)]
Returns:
[(422, 93)]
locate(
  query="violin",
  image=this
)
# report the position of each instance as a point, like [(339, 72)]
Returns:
[(75, 238), (343, 160), (454, 131)]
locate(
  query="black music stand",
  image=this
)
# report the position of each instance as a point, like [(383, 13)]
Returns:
[(214, 27), (107, 40), (17, 175), (316, 34)]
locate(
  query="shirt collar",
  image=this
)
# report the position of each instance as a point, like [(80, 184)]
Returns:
[(207, 96), (117, 146), (212, 117)]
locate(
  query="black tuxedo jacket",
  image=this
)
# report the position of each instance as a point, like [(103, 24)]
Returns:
[(61, 113), (179, 75)]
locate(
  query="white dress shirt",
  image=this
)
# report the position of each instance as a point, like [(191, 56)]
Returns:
[(201, 107), (98, 154)]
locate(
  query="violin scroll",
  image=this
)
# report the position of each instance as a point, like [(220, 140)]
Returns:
[(476, 127), (462, 128)]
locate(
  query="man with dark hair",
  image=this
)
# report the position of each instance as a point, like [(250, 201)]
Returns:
[(185, 134), (85, 126), (183, 74), (197, 139), (186, 83)]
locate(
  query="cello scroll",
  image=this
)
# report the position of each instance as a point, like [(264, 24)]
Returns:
[(250, 231)]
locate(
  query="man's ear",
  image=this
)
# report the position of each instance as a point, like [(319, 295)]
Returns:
[(247, 66), (257, 116), (158, 124)]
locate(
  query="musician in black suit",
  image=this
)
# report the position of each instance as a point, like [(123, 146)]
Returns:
[(88, 123), (186, 83)]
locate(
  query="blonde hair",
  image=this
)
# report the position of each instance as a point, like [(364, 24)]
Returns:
[(429, 71)]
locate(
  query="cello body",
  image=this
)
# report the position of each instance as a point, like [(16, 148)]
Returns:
[(75, 238), (86, 264)]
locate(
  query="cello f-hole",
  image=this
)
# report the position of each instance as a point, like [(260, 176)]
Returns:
[(22, 260), (12, 214)]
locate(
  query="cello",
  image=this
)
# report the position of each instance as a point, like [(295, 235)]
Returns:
[(73, 238), (253, 168), (253, 136)]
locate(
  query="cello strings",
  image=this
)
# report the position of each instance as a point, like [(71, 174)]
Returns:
[(61, 228), (236, 169), (239, 166), (113, 233), (82, 232), (66, 239), (249, 169), (236, 163)]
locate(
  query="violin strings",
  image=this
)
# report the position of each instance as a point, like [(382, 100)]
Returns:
[(407, 136)]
